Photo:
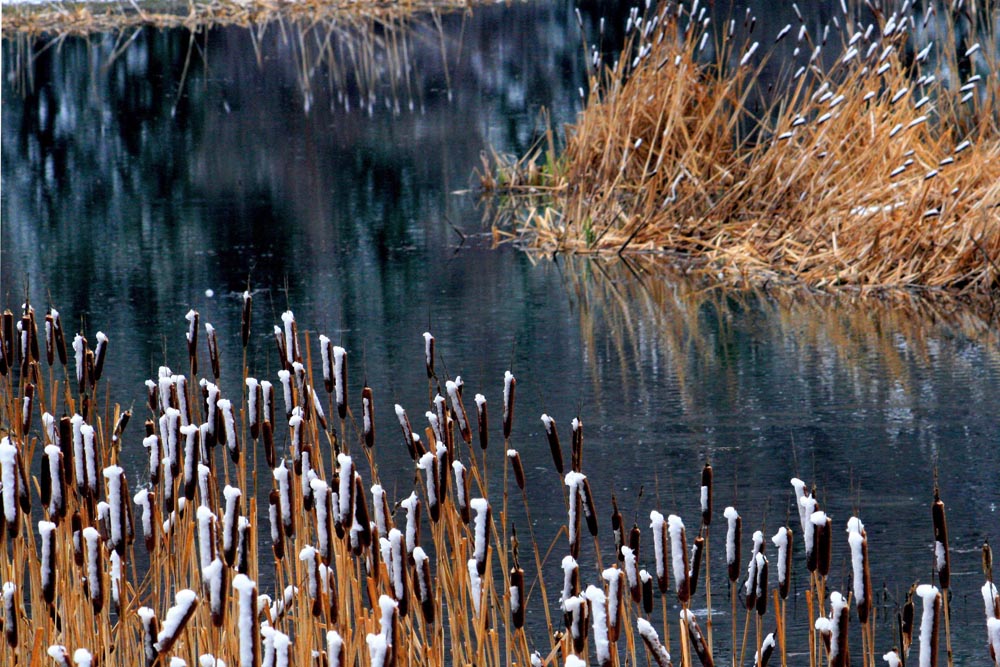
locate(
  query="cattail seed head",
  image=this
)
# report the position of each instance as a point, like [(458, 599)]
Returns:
[(245, 319), (706, 495), (942, 559), (509, 389)]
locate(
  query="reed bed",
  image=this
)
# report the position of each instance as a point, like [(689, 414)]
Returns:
[(83, 18), (350, 564), (872, 160)]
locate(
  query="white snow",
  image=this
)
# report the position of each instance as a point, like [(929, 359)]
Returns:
[(731, 516), (929, 594)]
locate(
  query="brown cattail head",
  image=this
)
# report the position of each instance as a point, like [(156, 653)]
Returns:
[(766, 650), (76, 526), (245, 318), (192, 340), (10, 613), (27, 407), (517, 594), (987, 561), (277, 529), (509, 391), (576, 462), (404, 425), (361, 512), (824, 541), (696, 639), (942, 559), (697, 553), (647, 591), (429, 353), (553, 437), (761, 585), (7, 337), (589, 509), (213, 350), (617, 527), (100, 354), (482, 421), (706, 494), (368, 413), (515, 463), (906, 622), (50, 340), (268, 432)]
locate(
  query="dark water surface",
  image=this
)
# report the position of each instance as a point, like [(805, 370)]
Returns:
[(124, 202)]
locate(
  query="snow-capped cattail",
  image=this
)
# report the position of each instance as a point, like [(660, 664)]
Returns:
[(397, 569), (763, 655), (632, 574), (573, 481), (267, 433), (277, 530), (931, 597), (706, 495), (553, 438), (679, 557), (576, 612), (404, 424), (59, 336), (76, 528), (59, 654), (822, 541), (428, 463), (115, 477), (95, 583), (213, 349), (458, 408), (47, 550), (368, 414), (646, 579), (516, 592), (515, 463), (733, 535), (362, 524), (445, 432), (308, 556), (509, 387), (653, 646), (115, 574), (412, 506), (760, 583), (991, 601), (285, 496), (190, 477), (321, 499), (377, 650), (462, 486), (285, 377), (192, 339), (694, 570), (615, 580), (858, 541), (9, 483), (425, 590), (345, 492), (659, 527), (80, 356), (429, 353), (695, 638), (27, 405), (100, 354), (253, 406), (7, 336), (482, 541), (145, 500), (230, 518), (53, 483), (185, 602), (246, 318), (206, 536), (10, 613), (617, 527), (334, 648), (942, 559), (576, 455), (571, 586), (782, 540), (482, 421), (340, 380), (291, 338), (150, 628)]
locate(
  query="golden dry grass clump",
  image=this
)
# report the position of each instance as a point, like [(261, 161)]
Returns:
[(874, 167)]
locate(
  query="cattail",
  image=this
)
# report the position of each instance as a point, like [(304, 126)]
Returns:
[(66, 445), (445, 433), (429, 353), (553, 437), (253, 406), (362, 524), (145, 500), (515, 462), (929, 624), (299, 376), (190, 480), (425, 590), (285, 377), (990, 600), (597, 602), (267, 401), (230, 518), (573, 481), (7, 337), (9, 478), (696, 640), (906, 621), (428, 463), (268, 436), (577, 610), (509, 387), (404, 424), (822, 541), (152, 395), (47, 569), (285, 496), (632, 574), (782, 540), (308, 555), (571, 586), (334, 648), (646, 580), (80, 461), (516, 592), (987, 561), (679, 557), (412, 506), (59, 337), (115, 477), (733, 535), (454, 393), (706, 495), (80, 356), (482, 540), (345, 491), (483, 421), (383, 518), (397, 569), (115, 574), (942, 559), (617, 527), (321, 499), (295, 445), (368, 413), (27, 404), (53, 483), (762, 656), (100, 353), (76, 527), (185, 602), (206, 536), (95, 583), (653, 646), (615, 580), (245, 319), (760, 583), (150, 628), (858, 541), (192, 339), (462, 486), (277, 530), (213, 349), (659, 527), (214, 433), (340, 380), (10, 613)]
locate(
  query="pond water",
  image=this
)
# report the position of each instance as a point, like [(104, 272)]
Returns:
[(140, 182)]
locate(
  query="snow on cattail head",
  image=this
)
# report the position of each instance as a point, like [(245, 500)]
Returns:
[(552, 435), (245, 318), (659, 527), (858, 541), (678, 557), (177, 617), (706, 494), (515, 462), (762, 656), (574, 482), (733, 542), (482, 509), (652, 640), (929, 624), (782, 540), (576, 444), (942, 559), (368, 416), (429, 353), (509, 387), (458, 408), (822, 543), (404, 425), (482, 421)]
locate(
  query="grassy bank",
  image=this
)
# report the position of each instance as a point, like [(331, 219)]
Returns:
[(262, 531), (867, 158)]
